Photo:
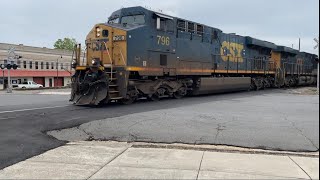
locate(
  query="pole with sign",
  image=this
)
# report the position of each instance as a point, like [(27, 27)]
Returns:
[(12, 56), (317, 46)]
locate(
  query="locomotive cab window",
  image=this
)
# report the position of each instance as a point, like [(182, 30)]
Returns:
[(133, 20), (114, 21)]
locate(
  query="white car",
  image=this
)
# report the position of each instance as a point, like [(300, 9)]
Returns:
[(27, 85)]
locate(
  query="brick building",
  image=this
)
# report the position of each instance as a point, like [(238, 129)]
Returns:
[(49, 67)]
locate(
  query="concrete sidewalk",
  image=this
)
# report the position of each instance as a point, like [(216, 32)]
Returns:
[(112, 160)]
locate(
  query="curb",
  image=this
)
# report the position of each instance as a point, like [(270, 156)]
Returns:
[(223, 148)]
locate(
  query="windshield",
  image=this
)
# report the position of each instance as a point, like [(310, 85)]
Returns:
[(114, 21), (134, 19)]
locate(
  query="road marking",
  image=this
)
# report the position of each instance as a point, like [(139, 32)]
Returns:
[(55, 93), (21, 110)]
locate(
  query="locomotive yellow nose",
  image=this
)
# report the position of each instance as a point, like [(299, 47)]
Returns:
[(108, 45)]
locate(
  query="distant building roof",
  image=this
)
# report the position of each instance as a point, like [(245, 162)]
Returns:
[(43, 50)]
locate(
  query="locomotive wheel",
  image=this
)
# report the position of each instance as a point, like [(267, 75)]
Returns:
[(180, 93), (154, 97), (253, 86), (158, 94), (129, 100)]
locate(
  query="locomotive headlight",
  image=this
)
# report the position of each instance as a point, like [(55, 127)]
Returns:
[(74, 64), (95, 62), (98, 32)]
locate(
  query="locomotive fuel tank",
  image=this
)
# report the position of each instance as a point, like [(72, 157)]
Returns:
[(222, 84)]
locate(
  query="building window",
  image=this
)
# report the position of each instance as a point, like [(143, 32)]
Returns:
[(47, 65), (30, 64), (37, 65), (52, 65), (41, 65), (61, 65), (24, 64), (5, 62), (57, 65)]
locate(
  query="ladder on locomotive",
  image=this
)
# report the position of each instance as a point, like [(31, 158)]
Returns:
[(280, 76), (114, 92)]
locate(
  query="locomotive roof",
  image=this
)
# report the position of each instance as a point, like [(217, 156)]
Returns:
[(140, 9), (250, 40)]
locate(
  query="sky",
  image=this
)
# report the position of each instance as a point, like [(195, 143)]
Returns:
[(41, 22)]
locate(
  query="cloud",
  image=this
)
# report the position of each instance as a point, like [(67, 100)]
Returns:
[(41, 22)]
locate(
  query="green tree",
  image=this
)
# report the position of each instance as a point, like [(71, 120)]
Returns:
[(66, 44)]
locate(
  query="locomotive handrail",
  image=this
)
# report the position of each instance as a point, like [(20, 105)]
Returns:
[(122, 57), (111, 67), (251, 64)]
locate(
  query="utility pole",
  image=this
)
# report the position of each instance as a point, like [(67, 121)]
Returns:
[(317, 46), (57, 66)]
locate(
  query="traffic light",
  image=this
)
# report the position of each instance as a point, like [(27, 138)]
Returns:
[(15, 67), (9, 66)]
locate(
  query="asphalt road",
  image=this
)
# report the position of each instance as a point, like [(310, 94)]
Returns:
[(25, 119)]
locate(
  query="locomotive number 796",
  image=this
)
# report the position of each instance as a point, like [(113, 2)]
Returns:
[(163, 40)]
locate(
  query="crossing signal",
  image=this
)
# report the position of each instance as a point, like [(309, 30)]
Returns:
[(15, 67), (9, 66)]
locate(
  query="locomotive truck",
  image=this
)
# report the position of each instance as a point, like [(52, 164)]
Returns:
[(140, 53)]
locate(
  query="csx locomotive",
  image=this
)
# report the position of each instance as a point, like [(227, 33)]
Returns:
[(140, 53)]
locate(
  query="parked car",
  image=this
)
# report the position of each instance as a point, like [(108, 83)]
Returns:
[(27, 85)]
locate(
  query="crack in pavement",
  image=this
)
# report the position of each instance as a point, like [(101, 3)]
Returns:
[(221, 127), (301, 133), (297, 129), (90, 136), (141, 121)]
